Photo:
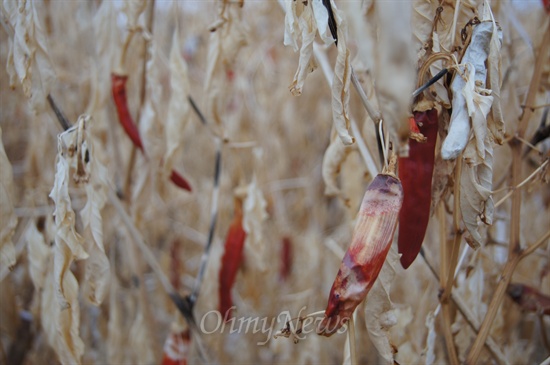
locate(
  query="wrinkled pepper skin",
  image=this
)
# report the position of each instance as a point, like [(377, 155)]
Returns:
[(371, 241), (416, 173)]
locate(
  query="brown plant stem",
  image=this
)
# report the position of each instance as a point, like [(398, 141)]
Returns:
[(514, 248), (463, 309)]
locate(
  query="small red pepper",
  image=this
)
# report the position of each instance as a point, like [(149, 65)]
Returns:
[(231, 260), (286, 258), (416, 173), (121, 102), (370, 243), (125, 118), (176, 348)]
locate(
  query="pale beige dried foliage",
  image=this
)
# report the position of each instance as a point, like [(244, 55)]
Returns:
[(28, 59), (8, 220), (395, 70), (39, 254), (179, 110), (334, 157), (278, 139), (379, 313), (254, 216)]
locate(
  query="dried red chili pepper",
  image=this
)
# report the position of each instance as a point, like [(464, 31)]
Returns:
[(121, 102), (529, 299), (371, 241), (231, 260), (118, 85), (286, 258), (176, 347), (416, 173)]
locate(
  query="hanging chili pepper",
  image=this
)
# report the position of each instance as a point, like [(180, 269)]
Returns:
[(231, 260), (286, 258), (416, 173), (370, 243), (176, 347), (121, 103), (118, 85)]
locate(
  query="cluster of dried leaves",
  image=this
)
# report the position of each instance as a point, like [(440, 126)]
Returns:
[(77, 289)]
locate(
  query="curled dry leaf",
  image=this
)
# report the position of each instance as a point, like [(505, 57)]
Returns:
[(334, 157), (379, 313), (28, 58), (430, 339), (179, 110), (306, 64), (97, 266), (133, 9), (227, 38), (8, 220), (395, 70), (463, 88), (39, 254), (341, 81), (254, 216)]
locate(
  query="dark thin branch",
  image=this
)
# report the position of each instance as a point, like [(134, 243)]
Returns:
[(61, 118), (432, 81)]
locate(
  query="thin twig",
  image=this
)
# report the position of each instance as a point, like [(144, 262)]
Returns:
[(213, 219), (520, 185), (351, 338)]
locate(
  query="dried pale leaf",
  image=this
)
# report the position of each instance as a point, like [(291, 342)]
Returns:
[(61, 311), (334, 157), (379, 308), (306, 64), (423, 12), (321, 19), (395, 70), (97, 266), (291, 23), (430, 339), (475, 190), (341, 82), (253, 218), (38, 253), (30, 60), (141, 340), (8, 220), (463, 90), (115, 335), (179, 110), (496, 123), (133, 9)]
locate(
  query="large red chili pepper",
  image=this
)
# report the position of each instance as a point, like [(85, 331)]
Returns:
[(371, 241), (231, 260), (118, 86), (416, 173)]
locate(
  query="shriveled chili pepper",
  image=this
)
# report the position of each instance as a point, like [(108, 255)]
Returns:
[(118, 85), (176, 347), (231, 260), (416, 173), (286, 258), (371, 241), (529, 299)]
